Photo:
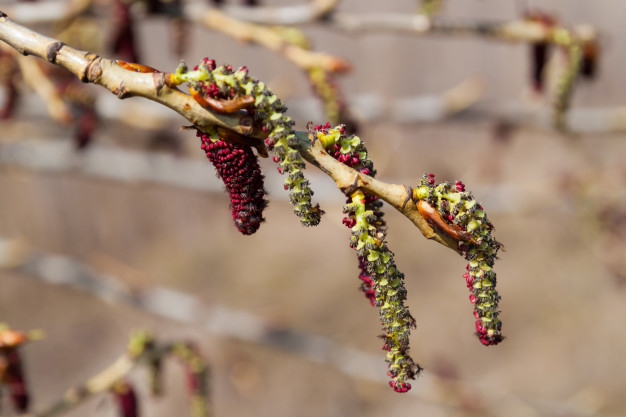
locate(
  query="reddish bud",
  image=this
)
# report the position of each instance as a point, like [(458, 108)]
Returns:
[(468, 279), (480, 328), (13, 376), (126, 399)]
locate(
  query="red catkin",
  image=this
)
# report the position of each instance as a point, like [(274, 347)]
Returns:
[(239, 169)]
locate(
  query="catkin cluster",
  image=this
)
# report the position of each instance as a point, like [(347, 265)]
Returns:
[(382, 283), (465, 219), (224, 83)]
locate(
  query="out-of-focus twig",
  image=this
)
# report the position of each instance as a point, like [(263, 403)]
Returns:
[(243, 326), (100, 383), (36, 78), (323, 12), (48, 11), (174, 305), (244, 31), (286, 15), (430, 7), (323, 83), (142, 348)]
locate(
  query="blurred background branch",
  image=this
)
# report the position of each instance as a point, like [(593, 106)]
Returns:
[(437, 386)]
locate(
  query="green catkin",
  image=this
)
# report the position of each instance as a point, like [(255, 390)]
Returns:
[(269, 111), (565, 85), (430, 7), (364, 217), (368, 240), (458, 208)]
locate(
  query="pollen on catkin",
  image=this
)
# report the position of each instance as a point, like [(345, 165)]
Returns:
[(382, 283), (458, 208), (224, 83), (239, 169)]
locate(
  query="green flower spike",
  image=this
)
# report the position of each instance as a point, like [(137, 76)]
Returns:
[(207, 80), (565, 86), (454, 211), (383, 284)]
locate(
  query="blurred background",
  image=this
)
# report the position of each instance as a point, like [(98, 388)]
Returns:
[(112, 198)]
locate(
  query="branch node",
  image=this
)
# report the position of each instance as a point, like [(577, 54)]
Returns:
[(167, 79), (409, 195), (311, 131), (120, 90), (86, 72), (52, 50), (246, 124), (94, 70), (348, 190), (159, 81)]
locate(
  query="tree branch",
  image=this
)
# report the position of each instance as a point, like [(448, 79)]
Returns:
[(418, 24), (349, 180), (35, 77), (142, 348), (100, 383), (266, 37), (125, 83)]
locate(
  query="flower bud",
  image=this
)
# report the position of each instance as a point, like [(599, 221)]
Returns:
[(126, 399)]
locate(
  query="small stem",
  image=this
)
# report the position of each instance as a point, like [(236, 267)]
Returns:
[(99, 383), (349, 180), (268, 38)]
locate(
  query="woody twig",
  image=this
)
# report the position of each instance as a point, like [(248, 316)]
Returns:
[(266, 37), (126, 83)]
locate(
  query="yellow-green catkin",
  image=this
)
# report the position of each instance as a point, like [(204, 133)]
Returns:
[(382, 283), (459, 209)]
